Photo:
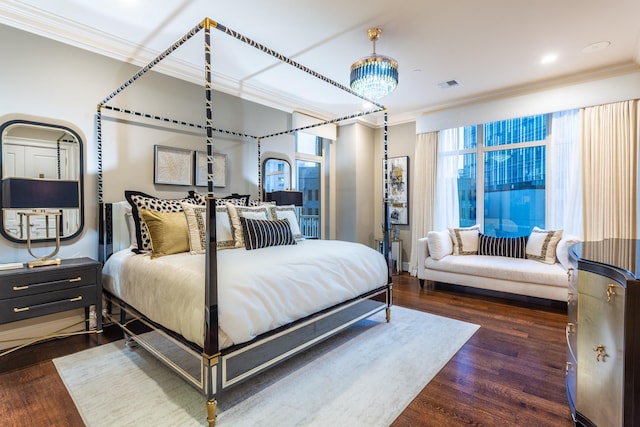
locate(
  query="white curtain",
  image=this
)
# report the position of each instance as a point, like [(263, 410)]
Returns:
[(564, 184), (423, 193), (610, 170), (447, 212)]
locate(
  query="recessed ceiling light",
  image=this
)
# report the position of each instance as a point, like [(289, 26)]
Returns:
[(549, 58), (595, 47)]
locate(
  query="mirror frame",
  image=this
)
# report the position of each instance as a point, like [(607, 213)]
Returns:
[(264, 174), (75, 134)]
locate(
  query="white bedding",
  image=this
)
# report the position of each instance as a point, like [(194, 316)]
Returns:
[(258, 290)]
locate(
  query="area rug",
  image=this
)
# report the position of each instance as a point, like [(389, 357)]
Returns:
[(365, 376)]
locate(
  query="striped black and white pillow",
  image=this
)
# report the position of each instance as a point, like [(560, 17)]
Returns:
[(514, 247), (261, 233)]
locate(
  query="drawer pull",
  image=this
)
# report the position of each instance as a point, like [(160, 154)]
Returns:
[(601, 352), (568, 369), (78, 298), (77, 279), (610, 291), (20, 310), (20, 288)]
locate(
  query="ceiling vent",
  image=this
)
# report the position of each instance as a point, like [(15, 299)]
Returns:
[(448, 84)]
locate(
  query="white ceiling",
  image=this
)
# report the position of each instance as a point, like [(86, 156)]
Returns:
[(491, 47)]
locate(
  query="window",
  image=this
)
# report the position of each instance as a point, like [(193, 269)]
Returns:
[(309, 180), (508, 187)]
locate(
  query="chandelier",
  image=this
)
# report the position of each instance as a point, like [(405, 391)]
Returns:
[(375, 76)]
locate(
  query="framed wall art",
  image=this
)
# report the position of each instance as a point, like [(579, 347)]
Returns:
[(172, 166), (219, 169), (398, 179)]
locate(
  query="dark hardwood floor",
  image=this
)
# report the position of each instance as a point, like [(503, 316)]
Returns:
[(510, 373)]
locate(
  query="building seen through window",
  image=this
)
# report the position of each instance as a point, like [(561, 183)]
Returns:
[(309, 173), (510, 181)]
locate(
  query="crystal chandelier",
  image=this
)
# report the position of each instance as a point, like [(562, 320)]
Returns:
[(375, 76)]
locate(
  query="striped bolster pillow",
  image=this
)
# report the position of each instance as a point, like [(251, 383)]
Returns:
[(261, 233), (514, 247)]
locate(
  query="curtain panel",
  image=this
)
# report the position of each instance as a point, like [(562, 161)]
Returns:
[(423, 194), (610, 170)]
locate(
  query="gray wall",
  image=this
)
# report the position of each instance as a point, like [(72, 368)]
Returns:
[(49, 81), (355, 153)]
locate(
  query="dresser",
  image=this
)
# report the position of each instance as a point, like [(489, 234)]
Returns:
[(26, 293), (603, 333)]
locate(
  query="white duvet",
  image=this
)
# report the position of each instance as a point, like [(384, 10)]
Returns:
[(258, 290)]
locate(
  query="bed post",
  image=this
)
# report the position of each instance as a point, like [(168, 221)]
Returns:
[(211, 346), (385, 238)]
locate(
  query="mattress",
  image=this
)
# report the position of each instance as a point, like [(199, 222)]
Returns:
[(258, 290)]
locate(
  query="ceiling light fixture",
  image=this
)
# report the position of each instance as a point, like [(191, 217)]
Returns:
[(549, 58), (375, 76)]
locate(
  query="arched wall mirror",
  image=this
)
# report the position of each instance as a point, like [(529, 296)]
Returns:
[(276, 175), (44, 152)]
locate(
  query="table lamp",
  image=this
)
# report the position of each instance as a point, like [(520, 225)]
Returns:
[(286, 197), (41, 196)]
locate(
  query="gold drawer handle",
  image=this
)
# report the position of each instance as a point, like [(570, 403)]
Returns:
[(610, 291), (19, 310), (20, 288), (570, 328), (601, 352), (568, 368), (77, 279), (78, 298)]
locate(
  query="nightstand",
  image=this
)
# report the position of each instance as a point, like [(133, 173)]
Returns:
[(396, 255), (32, 292)]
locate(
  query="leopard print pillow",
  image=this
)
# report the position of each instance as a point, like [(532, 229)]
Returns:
[(139, 201)]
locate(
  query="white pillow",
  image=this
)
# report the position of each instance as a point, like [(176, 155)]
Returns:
[(541, 245), (288, 212), (197, 224), (439, 244), (258, 212), (562, 250), (465, 240)]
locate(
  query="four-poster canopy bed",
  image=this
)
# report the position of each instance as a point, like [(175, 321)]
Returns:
[(212, 350)]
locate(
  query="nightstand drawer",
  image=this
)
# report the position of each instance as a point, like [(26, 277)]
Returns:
[(46, 303), (32, 282)]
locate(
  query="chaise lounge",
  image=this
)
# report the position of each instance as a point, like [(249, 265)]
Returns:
[(532, 266)]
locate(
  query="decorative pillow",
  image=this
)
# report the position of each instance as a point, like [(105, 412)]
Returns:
[(513, 247), (260, 233), (541, 245), (562, 250), (168, 232), (288, 212), (139, 201), (259, 203), (465, 240), (235, 212), (199, 198), (236, 199), (439, 244), (196, 216)]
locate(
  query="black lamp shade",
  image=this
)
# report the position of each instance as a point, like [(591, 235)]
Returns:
[(32, 193), (285, 198)]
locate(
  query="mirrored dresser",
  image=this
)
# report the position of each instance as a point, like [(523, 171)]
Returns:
[(603, 333)]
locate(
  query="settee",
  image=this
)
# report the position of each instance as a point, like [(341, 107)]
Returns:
[(530, 266)]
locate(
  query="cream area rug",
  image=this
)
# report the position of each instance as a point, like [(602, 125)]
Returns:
[(365, 376)]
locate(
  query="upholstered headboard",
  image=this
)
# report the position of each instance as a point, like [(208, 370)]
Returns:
[(115, 222)]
